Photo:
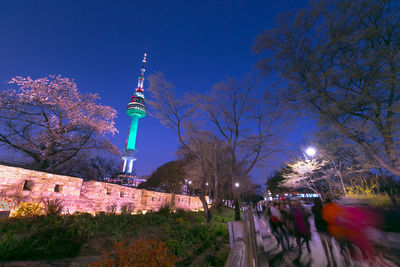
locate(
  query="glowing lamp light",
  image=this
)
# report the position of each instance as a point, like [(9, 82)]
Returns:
[(237, 184), (190, 182), (144, 212), (311, 151)]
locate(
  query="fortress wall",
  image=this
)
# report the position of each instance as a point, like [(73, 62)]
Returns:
[(85, 196), (35, 185)]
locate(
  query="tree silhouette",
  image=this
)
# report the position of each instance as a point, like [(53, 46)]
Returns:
[(341, 62), (168, 178)]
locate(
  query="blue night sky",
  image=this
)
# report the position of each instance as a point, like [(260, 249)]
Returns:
[(101, 43)]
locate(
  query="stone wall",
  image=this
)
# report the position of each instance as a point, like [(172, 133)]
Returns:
[(85, 196)]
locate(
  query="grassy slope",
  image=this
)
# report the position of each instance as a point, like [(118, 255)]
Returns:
[(193, 241)]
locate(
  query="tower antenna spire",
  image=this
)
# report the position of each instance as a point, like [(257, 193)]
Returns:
[(142, 70)]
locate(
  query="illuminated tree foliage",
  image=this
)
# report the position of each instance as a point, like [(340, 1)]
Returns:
[(49, 121), (305, 174)]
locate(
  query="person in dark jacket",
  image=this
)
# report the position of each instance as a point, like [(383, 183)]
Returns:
[(322, 229), (302, 229)]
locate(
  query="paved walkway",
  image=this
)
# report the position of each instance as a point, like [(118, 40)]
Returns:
[(273, 254)]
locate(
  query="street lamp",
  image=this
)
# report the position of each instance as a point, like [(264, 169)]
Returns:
[(311, 151), (237, 185)]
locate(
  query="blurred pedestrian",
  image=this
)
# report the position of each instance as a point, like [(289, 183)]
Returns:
[(278, 220), (287, 224), (259, 210), (333, 214), (357, 220), (302, 229), (322, 229), (268, 216)]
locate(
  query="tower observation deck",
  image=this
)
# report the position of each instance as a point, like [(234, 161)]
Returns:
[(136, 110)]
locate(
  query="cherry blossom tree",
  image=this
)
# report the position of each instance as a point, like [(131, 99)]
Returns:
[(50, 122), (305, 174)]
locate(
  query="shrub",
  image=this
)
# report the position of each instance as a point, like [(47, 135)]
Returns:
[(164, 210), (148, 252), (41, 237), (127, 208), (111, 208), (367, 192), (185, 234), (28, 209), (373, 199), (52, 206), (180, 213)]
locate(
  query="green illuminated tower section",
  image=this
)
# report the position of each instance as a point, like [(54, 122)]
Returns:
[(136, 110)]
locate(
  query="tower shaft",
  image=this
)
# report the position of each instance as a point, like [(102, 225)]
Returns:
[(133, 133)]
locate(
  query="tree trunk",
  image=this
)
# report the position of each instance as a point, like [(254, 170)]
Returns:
[(234, 189), (216, 195), (383, 184), (341, 182), (219, 205), (237, 209), (207, 212)]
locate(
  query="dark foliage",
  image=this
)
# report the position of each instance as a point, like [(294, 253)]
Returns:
[(51, 237), (274, 182), (168, 178), (53, 207)]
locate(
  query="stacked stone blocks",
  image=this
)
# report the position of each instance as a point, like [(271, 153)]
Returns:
[(86, 196)]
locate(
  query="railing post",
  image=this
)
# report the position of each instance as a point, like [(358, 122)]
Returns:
[(243, 242), (252, 236)]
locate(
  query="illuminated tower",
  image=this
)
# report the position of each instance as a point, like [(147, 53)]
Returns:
[(136, 110)]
